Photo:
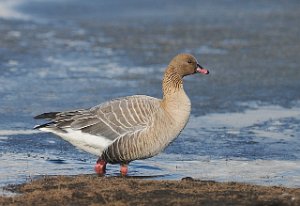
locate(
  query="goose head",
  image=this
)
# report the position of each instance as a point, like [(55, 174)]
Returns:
[(186, 64)]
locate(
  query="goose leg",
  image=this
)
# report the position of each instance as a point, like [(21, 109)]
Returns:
[(100, 167), (124, 169)]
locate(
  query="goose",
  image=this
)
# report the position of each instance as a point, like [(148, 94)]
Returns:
[(129, 128)]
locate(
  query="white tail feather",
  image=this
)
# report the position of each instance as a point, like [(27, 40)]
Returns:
[(84, 141)]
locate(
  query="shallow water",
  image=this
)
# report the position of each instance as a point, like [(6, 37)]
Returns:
[(61, 55)]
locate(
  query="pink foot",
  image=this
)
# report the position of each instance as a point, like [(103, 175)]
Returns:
[(100, 167), (124, 169)]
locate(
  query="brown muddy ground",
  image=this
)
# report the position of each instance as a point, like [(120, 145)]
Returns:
[(93, 190)]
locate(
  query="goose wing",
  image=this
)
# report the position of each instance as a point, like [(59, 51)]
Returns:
[(101, 125)]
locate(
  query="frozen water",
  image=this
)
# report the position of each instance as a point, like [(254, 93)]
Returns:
[(245, 119)]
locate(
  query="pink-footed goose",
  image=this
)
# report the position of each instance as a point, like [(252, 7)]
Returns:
[(129, 128)]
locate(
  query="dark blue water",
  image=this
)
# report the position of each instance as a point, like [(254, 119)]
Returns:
[(61, 55)]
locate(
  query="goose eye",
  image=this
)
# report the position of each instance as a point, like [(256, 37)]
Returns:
[(190, 61)]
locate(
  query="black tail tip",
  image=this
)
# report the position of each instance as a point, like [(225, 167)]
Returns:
[(48, 115), (43, 125)]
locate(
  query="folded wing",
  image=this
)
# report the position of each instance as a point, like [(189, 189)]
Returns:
[(96, 128)]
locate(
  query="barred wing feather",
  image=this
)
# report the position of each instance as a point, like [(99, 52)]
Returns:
[(96, 128)]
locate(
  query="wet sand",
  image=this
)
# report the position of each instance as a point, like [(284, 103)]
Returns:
[(94, 190)]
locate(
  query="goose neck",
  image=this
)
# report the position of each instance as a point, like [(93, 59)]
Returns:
[(172, 83)]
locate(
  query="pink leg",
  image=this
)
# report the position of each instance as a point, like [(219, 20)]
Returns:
[(124, 169), (100, 167)]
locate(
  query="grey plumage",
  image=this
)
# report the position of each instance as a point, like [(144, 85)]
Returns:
[(116, 120), (130, 128)]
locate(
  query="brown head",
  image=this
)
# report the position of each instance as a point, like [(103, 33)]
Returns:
[(186, 64), (180, 66)]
